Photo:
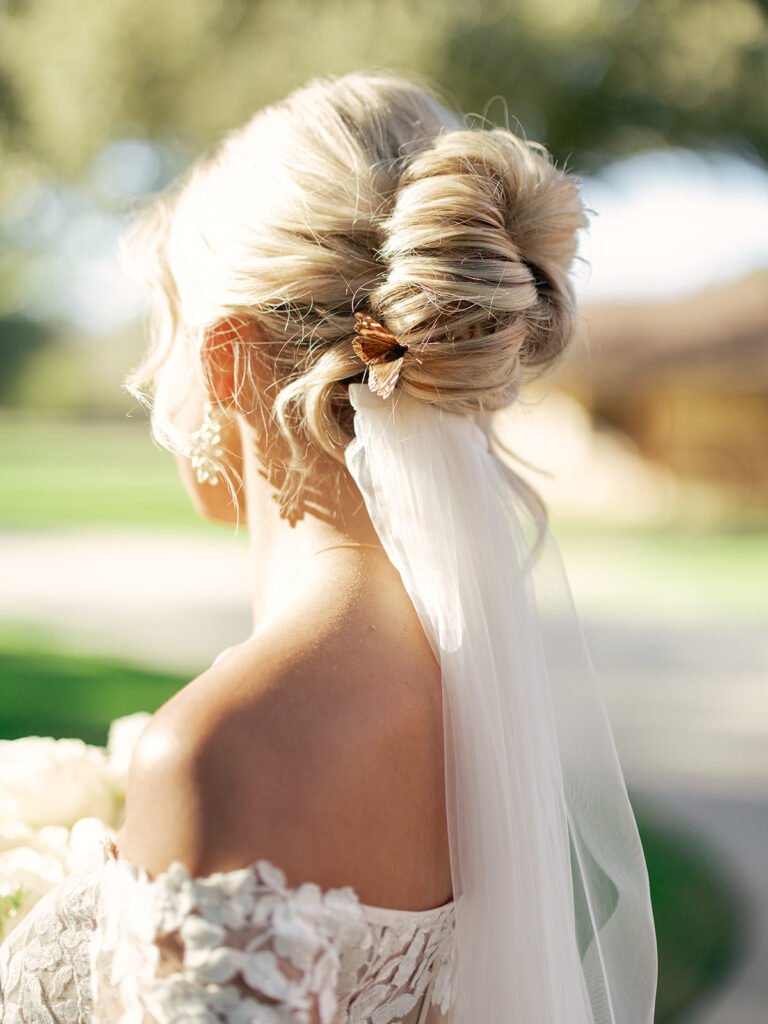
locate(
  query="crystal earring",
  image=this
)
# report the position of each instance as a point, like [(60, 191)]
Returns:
[(204, 450)]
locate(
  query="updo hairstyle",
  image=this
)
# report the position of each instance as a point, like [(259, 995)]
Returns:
[(361, 193)]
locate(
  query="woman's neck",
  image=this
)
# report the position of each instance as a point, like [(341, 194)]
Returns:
[(278, 549)]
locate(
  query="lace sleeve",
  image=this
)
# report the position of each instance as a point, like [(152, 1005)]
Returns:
[(111, 946), (240, 947), (44, 962), (234, 947)]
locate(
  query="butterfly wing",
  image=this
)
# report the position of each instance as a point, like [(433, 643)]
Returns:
[(382, 377), (373, 340), (380, 351)]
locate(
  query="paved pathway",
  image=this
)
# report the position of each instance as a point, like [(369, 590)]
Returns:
[(157, 598), (688, 703)]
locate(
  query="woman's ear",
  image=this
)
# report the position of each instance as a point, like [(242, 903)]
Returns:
[(219, 361), (233, 365)]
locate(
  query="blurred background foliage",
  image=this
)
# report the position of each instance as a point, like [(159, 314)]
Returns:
[(592, 79)]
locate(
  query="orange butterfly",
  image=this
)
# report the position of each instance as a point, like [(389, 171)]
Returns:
[(381, 352)]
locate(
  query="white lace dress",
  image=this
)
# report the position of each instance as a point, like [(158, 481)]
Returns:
[(111, 946)]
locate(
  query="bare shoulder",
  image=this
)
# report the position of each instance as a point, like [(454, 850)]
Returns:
[(324, 759)]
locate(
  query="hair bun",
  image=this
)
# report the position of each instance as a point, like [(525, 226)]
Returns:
[(363, 192), (478, 248)]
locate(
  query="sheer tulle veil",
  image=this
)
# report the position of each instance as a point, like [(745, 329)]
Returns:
[(553, 915)]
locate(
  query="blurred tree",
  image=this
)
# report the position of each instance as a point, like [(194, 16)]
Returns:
[(20, 340), (591, 78), (596, 79)]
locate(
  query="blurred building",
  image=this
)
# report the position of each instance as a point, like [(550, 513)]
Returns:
[(687, 381)]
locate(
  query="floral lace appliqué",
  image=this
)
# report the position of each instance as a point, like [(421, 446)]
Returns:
[(44, 963), (111, 946), (241, 947)]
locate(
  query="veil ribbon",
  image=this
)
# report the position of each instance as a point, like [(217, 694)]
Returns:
[(553, 915)]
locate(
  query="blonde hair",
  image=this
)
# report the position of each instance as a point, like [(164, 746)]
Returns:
[(358, 193)]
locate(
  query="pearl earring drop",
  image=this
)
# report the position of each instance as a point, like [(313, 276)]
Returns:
[(204, 449)]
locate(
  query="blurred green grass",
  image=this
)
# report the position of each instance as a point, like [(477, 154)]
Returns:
[(51, 691), (667, 571), (67, 472)]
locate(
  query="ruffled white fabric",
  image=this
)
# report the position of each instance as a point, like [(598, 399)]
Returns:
[(111, 946), (553, 912)]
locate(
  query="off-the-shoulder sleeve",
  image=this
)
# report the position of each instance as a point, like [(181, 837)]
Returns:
[(110, 945), (241, 947), (235, 947)]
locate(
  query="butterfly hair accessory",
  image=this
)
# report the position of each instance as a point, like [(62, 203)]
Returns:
[(381, 352)]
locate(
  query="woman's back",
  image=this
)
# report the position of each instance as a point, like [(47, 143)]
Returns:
[(289, 804), (317, 745)]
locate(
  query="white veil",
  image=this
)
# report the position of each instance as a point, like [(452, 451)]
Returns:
[(553, 915)]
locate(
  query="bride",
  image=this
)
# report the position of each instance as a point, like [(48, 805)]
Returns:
[(397, 800)]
